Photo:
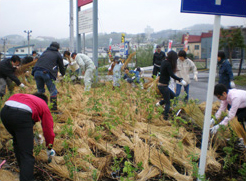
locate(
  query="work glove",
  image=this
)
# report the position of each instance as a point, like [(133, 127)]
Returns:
[(22, 85), (195, 77), (212, 121), (183, 82), (133, 77), (214, 129), (80, 77), (50, 153), (232, 84), (38, 139)]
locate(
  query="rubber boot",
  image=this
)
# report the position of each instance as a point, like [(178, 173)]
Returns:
[(53, 101)]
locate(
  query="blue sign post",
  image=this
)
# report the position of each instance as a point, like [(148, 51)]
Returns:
[(214, 7)]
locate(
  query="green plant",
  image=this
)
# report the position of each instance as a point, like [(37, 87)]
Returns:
[(242, 171)]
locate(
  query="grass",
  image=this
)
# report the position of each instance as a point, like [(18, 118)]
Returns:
[(240, 80)]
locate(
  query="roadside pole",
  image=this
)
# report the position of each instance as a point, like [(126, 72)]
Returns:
[(95, 36), (210, 93), (78, 37)]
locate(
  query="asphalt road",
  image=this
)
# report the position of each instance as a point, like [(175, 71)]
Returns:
[(198, 90)]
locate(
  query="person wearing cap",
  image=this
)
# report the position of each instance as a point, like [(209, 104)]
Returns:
[(87, 67), (19, 114), (7, 73), (184, 67), (46, 69), (116, 71), (158, 57)]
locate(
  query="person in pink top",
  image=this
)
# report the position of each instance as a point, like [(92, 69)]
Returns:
[(236, 98), (18, 115)]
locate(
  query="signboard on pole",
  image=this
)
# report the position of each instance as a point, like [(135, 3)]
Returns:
[(85, 21), (83, 2), (215, 7)]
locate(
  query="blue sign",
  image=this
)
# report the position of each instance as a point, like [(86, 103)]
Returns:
[(215, 7)]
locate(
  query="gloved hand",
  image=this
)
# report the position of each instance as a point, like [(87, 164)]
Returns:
[(133, 77), (50, 153), (22, 85), (212, 121), (80, 77), (232, 84), (195, 77), (183, 82), (214, 129)]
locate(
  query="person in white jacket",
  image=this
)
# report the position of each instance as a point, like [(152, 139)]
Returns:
[(184, 67), (87, 67), (117, 72)]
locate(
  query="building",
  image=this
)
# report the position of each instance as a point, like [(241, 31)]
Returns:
[(21, 51), (194, 45)]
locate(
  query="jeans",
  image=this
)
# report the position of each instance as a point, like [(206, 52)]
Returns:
[(156, 70), (19, 124), (42, 79), (167, 94), (178, 90)]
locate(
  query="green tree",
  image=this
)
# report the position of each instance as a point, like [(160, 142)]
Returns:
[(230, 39), (144, 56)]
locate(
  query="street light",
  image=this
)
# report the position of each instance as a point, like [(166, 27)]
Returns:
[(28, 40), (4, 46)]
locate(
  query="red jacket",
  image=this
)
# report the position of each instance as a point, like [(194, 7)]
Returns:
[(40, 111)]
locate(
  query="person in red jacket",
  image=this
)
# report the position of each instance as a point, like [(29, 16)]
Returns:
[(18, 115)]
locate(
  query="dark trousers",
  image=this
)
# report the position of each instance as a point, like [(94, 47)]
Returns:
[(241, 116), (167, 94), (155, 71), (19, 124)]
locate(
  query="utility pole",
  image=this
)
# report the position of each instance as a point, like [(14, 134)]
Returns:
[(28, 39), (4, 46), (71, 42)]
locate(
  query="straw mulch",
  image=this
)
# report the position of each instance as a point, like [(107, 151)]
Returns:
[(97, 127)]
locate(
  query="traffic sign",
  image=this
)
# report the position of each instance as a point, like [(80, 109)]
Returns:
[(215, 7)]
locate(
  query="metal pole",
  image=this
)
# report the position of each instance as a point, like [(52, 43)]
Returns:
[(77, 28), (4, 46), (95, 35), (28, 40), (211, 82), (71, 42), (84, 43)]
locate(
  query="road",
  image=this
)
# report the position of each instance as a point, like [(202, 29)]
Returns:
[(198, 90)]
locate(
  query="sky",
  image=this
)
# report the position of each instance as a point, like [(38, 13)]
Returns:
[(51, 17)]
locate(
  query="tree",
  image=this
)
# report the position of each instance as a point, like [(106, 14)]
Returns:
[(145, 56), (231, 39)]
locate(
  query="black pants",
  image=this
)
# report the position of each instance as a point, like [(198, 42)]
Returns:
[(241, 116), (19, 124), (167, 94), (155, 70)]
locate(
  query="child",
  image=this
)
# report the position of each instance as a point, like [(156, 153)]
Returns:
[(117, 72)]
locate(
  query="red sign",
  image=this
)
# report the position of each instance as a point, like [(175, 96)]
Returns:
[(84, 2)]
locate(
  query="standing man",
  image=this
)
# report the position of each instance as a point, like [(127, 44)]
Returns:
[(158, 57), (7, 70), (225, 71), (87, 67), (236, 98), (46, 69), (185, 66), (18, 115)]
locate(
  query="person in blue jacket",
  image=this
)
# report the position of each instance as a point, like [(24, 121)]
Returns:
[(131, 76), (225, 71)]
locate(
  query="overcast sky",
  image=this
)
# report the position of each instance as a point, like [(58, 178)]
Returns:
[(51, 17)]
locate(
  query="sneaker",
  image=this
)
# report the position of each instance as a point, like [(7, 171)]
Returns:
[(157, 104)]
